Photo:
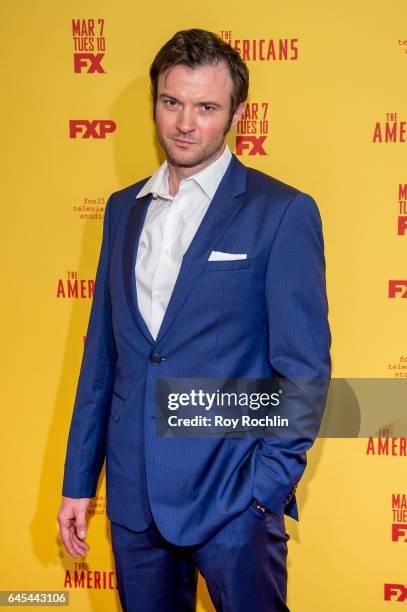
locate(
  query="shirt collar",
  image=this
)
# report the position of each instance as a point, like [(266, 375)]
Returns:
[(208, 178)]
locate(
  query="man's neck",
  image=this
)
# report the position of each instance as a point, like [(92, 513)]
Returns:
[(178, 173)]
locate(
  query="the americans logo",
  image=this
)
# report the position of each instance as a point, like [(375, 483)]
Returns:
[(263, 49)]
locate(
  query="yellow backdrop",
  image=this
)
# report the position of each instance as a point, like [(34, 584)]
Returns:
[(326, 114)]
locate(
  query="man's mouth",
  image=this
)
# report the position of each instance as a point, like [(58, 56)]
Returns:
[(182, 142)]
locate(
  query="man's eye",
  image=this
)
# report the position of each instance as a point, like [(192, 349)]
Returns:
[(208, 107), (170, 102)]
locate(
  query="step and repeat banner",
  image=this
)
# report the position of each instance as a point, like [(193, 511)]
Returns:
[(326, 113)]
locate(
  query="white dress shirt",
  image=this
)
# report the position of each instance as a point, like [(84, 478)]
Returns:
[(170, 225)]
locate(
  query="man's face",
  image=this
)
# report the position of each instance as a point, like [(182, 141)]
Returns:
[(192, 113)]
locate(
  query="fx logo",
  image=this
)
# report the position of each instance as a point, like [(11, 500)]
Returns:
[(395, 590), (398, 530), (88, 60), (96, 128), (397, 287), (402, 226), (254, 144)]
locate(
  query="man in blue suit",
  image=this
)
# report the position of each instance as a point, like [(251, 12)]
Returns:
[(207, 269)]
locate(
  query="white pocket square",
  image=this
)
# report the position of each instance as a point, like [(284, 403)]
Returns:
[(220, 256)]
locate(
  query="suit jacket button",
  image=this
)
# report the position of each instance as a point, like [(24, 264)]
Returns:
[(155, 359)]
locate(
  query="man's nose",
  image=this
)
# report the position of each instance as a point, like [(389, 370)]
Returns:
[(185, 120)]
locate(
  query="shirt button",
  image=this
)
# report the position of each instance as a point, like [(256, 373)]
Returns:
[(166, 251), (157, 294)]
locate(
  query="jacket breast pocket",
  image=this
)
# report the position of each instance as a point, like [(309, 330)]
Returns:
[(233, 264), (116, 406)]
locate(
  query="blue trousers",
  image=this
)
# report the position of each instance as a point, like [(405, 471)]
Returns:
[(244, 566)]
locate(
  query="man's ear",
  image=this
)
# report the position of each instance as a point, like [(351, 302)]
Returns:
[(237, 115)]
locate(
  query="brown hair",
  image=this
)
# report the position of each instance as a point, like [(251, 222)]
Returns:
[(194, 48)]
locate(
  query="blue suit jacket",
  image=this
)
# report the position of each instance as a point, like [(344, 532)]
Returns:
[(248, 318)]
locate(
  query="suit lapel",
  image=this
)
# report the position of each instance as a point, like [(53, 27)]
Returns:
[(226, 203), (134, 226)]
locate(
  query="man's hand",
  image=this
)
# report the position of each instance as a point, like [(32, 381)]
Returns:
[(72, 524)]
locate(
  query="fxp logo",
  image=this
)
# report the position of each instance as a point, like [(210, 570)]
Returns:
[(395, 592), (91, 128)]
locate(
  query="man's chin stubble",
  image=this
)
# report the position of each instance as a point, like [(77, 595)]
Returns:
[(188, 163)]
